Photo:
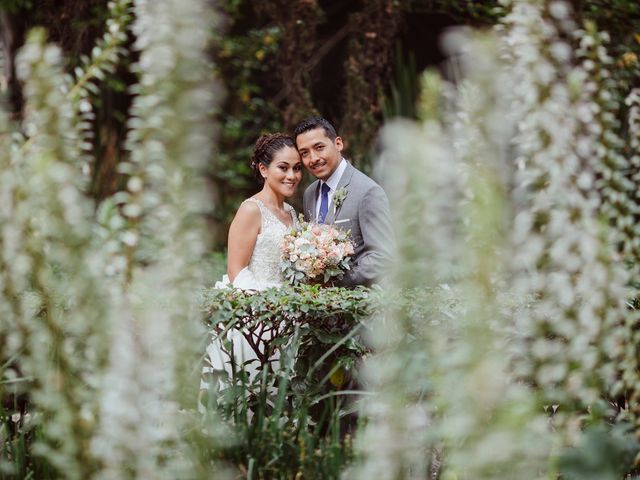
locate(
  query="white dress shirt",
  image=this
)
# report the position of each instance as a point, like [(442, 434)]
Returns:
[(332, 182)]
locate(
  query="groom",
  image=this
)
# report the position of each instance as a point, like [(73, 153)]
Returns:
[(347, 198)]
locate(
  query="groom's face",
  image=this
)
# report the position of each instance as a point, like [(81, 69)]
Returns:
[(320, 155)]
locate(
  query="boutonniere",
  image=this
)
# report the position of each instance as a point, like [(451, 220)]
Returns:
[(338, 198)]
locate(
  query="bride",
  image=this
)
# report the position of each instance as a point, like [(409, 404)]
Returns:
[(260, 223), (253, 252)]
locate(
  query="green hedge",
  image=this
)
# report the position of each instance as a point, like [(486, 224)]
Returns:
[(296, 419)]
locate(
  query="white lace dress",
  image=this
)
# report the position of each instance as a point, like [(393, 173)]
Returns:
[(262, 272)]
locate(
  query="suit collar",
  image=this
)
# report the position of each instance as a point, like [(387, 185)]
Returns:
[(334, 180), (345, 179)]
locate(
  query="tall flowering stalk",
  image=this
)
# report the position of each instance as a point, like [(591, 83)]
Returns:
[(619, 203), (50, 273), (445, 401), (161, 231), (561, 252), (628, 364), (420, 178), (633, 123), (491, 426), (617, 181), (13, 326), (425, 225)]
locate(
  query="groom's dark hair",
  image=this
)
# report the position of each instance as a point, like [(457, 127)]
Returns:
[(312, 123)]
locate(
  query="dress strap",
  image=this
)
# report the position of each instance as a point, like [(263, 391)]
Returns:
[(262, 208), (261, 205), (254, 200), (265, 212), (292, 212)]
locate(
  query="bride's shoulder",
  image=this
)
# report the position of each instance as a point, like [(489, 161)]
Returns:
[(246, 222), (249, 209)]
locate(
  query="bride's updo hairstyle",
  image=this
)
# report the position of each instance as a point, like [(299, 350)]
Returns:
[(265, 149)]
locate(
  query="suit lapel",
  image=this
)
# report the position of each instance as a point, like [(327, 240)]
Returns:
[(311, 209), (343, 183)]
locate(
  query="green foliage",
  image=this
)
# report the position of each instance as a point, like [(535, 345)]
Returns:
[(621, 18), (92, 71), (320, 318), (368, 69), (402, 100), (245, 60), (484, 12), (15, 5), (605, 453), (290, 420), (248, 62)]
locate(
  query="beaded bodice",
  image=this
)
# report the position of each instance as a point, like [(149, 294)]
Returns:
[(265, 260)]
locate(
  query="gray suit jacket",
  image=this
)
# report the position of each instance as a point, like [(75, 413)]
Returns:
[(364, 211)]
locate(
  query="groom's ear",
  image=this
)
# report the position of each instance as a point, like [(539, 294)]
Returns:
[(338, 143)]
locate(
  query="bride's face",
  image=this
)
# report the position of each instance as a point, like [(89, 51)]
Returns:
[(284, 172)]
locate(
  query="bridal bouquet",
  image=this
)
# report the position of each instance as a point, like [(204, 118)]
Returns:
[(313, 253)]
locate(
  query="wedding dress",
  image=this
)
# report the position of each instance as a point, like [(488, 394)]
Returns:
[(262, 272)]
